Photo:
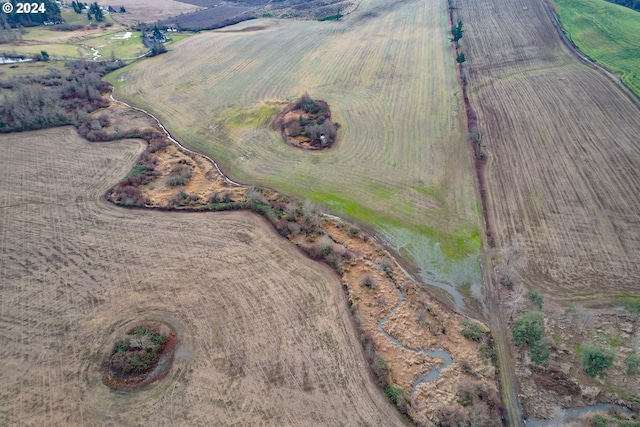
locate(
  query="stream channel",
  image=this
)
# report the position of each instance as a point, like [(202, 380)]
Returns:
[(434, 373)]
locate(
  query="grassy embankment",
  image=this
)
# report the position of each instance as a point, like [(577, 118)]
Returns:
[(607, 33), (401, 163)]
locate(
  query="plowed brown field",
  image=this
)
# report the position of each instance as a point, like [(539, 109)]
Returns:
[(264, 333), (563, 146)]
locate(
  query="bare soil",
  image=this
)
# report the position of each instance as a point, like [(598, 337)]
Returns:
[(264, 333), (151, 10), (561, 145), (218, 16)]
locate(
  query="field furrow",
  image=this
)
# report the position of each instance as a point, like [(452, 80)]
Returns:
[(563, 149), (400, 163), (264, 333)]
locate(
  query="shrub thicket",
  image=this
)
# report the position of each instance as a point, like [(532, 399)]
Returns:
[(179, 175), (473, 331), (138, 353), (633, 364), (368, 281), (536, 297), (596, 361), (314, 122), (529, 330), (54, 99)]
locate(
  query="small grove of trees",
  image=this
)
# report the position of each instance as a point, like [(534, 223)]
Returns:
[(314, 122), (631, 4), (78, 6), (47, 11), (529, 330), (512, 259), (54, 99), (96, 11), (157, 48)]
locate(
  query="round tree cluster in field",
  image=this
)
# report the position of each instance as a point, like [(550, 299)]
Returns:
[(140, 356), (307, 123)]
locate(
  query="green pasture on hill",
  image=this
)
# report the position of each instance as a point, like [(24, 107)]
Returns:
[(607, 33)]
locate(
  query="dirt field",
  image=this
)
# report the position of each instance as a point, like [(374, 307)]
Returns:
[(265, 337), (563, 153), (151, 10), (212, 17)]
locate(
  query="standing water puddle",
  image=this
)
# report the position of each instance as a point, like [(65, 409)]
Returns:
[(427, 257), (569, 414)]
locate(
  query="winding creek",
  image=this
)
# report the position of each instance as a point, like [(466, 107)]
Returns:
[(434, 373), (570, 414)]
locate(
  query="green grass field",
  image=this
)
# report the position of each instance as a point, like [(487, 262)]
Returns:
[(70, 17), (607, 33), (128, 48), (401, 163), (28, 69), (78, 44)]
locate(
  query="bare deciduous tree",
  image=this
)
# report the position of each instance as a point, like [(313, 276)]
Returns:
[(518, 296), (513, 261)]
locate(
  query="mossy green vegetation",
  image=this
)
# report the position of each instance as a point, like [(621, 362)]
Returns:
[(258, 116), (453, 244), (607, 33)]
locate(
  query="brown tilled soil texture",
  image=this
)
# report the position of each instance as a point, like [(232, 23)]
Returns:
[(563, 153), (264, 334)]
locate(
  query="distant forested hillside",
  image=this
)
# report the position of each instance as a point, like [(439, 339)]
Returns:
[(631, 4), (28, 18)]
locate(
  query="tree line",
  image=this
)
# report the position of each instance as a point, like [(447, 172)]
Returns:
[(14, 19), (631, 4)]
